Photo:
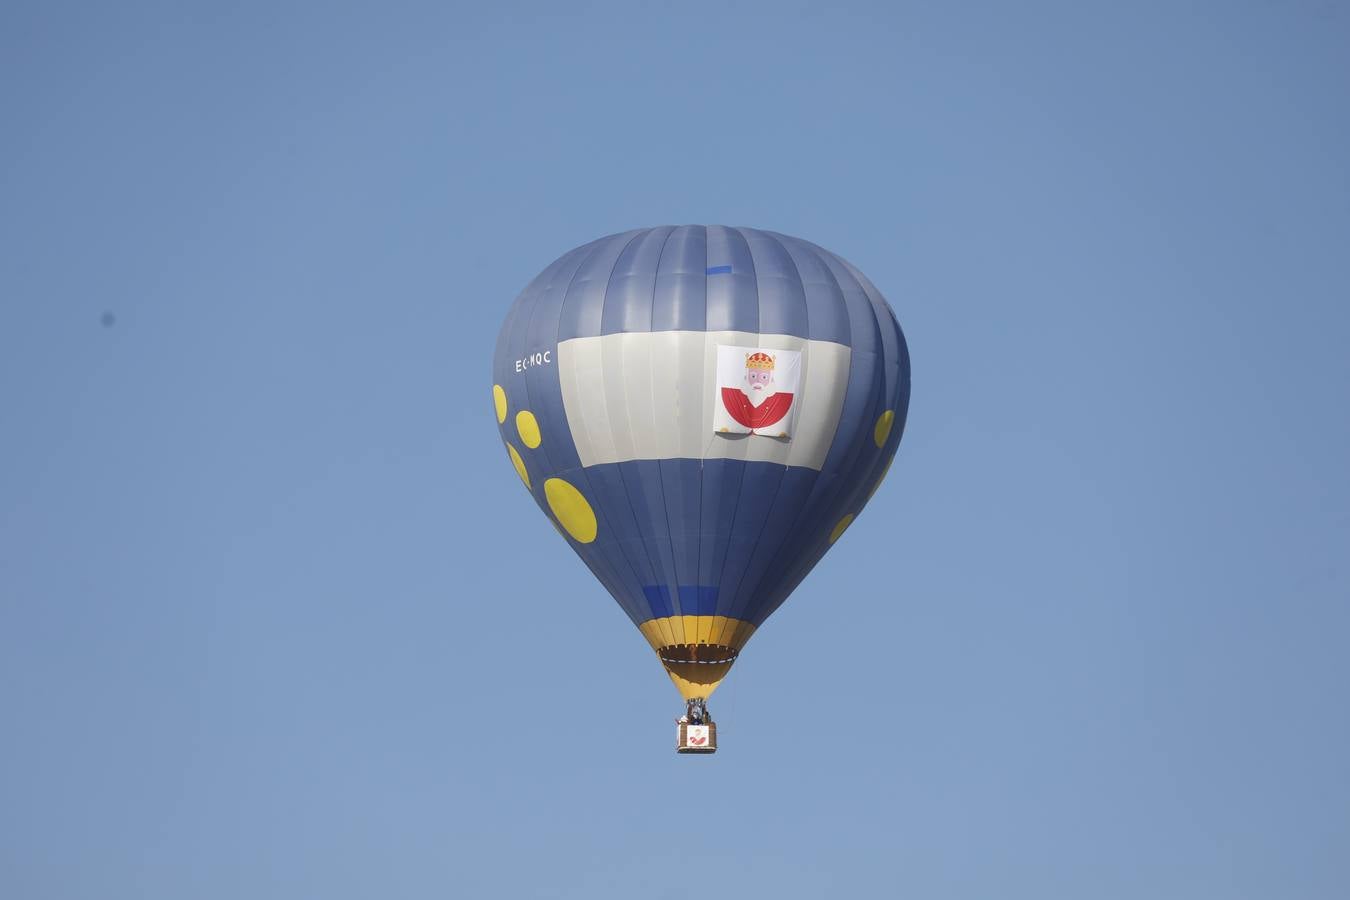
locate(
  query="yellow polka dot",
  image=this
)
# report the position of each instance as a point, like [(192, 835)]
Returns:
[(519, 464), (499, 401), (841, 527), (883, 429), (528, 426), (571, 509)]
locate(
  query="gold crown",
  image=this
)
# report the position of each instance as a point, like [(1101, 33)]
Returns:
[(758, 361)]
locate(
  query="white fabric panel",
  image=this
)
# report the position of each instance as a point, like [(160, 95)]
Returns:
[(666, 383), (691, 401), (592, 423), (649, 395)]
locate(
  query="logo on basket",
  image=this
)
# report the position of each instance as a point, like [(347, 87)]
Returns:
[(697, 740), (696, 736)]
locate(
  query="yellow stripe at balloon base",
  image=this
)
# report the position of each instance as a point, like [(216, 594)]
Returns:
[(722, 630)]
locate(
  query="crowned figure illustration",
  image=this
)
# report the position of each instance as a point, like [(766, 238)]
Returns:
[(756, 389)]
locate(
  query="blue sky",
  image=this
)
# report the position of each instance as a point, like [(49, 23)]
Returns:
[(1092, 632)]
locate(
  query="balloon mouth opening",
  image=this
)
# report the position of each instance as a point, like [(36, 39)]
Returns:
[(697, 669), (697, 655)]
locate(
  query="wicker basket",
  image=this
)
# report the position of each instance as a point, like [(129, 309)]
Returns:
[(696, 738)]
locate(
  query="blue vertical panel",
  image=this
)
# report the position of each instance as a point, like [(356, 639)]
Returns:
[(632, 285), (733, 301), (503, 368), (701, 599), (836, 315), (759, 485), (895, 351), (585, 303), (683, 499), (767, 567), (642, 477), (602, 555), (894, 355), (782, 300), (621, 539), (717, 509), (680, 302), (893, 394), (887, 334), (870, 335), (891, 342)]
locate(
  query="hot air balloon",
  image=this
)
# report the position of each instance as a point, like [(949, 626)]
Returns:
[(702, 412)]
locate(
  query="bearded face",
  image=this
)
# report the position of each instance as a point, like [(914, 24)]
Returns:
[(759, 379)]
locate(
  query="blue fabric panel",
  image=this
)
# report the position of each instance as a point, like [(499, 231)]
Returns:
[(658, 600), (759, 484), (604, 556), (632, 286), (835, 316), (768, 567), (719, 490), (615, 290), (701, 599), (643, 480), (680, 488), (782, 300), (864, 329), (680, 303), (585, 303), (620, 537), (894, 351), (512, 333), (733, 300), (695, 600)]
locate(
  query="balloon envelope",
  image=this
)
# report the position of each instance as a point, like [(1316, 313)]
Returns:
[(702, 411)]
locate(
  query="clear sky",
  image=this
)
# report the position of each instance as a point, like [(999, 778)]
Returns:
[(1091, 635)]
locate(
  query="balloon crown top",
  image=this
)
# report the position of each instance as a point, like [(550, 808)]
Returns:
[(758, 361)]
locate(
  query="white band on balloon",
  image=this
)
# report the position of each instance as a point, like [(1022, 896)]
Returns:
[(650, 395)]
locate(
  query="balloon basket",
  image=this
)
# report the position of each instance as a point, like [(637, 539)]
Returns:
[(696, 738)]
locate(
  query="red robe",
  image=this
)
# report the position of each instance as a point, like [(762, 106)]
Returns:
[(740, 408)]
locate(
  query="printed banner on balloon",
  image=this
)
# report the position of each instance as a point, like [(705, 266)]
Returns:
[(756, 391)]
